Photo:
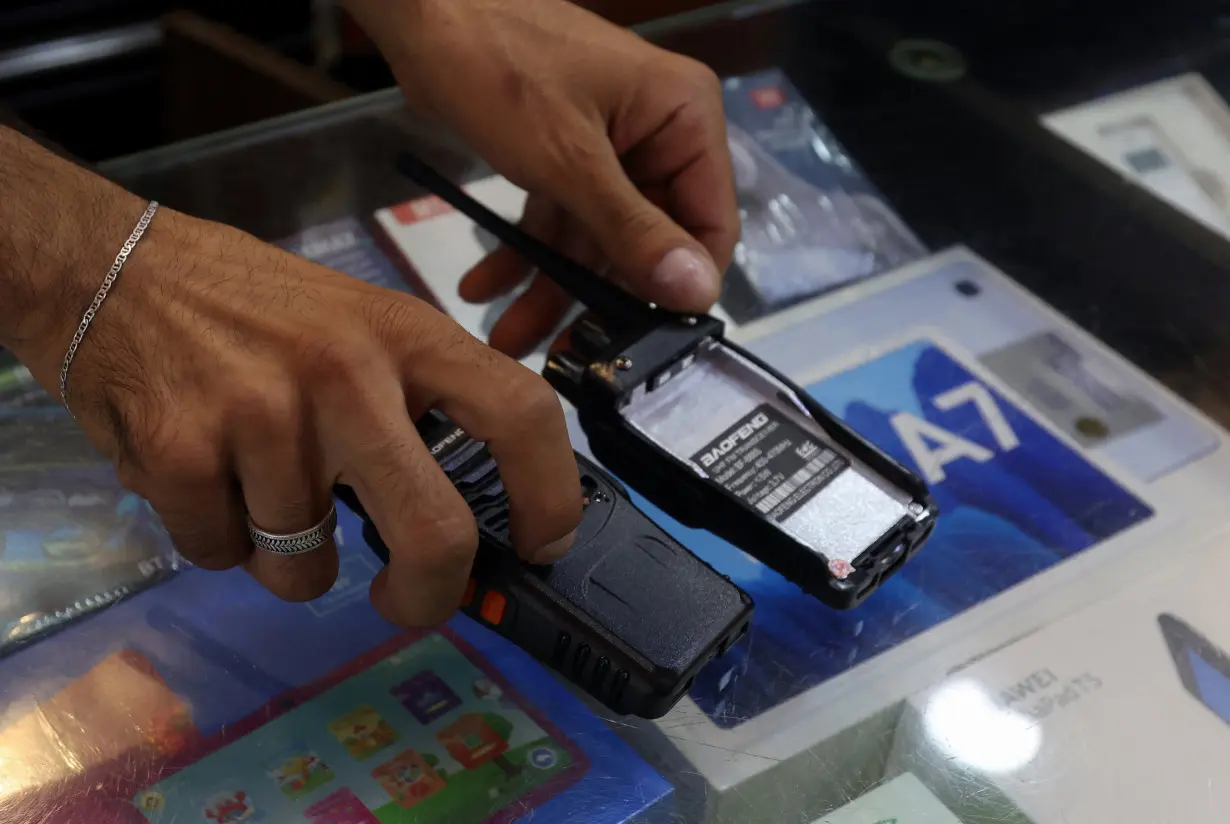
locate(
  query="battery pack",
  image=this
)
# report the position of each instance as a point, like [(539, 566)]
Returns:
[(730, 424), (721, 441), (629, 614)]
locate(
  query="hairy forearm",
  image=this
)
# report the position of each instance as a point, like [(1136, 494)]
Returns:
[(60, 226)]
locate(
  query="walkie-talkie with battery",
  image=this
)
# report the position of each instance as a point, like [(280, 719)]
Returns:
[(716, 437), (629, 614)]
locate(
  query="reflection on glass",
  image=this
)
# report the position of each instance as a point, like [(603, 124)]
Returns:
[(964, 722)]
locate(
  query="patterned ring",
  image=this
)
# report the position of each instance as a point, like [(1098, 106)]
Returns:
[(296, 543)]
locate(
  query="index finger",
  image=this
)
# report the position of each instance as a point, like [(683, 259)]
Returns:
[(516, 413), (688, 167), (421, 517)]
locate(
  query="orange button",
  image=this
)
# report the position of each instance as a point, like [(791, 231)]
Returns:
[(468, 598), (493, 608)]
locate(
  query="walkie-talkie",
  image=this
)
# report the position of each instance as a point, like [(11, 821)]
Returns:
[(629, 614), (716, 437)]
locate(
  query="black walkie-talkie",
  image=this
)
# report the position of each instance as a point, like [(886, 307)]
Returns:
[(629, 614), (716, 437)]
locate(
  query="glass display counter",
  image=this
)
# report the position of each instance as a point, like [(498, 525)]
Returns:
[(995, 245)]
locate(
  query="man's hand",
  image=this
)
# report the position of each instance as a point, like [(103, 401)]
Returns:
[(228, 378), (621, 145)]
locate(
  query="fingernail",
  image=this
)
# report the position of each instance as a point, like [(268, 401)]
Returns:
[(687, 277), (553, 551)]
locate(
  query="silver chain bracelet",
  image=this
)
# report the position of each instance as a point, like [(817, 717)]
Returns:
[(101, 295)]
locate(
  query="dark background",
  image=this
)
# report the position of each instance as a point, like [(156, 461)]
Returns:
[(167, 56)]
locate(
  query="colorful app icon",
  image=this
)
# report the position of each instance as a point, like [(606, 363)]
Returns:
[(151, 801), (340, 807), (543, 758), (363, 732), (474, 740), (230, 808), (487, 690), (426, 697), (410, 777), (300, 774)]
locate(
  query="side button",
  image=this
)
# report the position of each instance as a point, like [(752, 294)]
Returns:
[(494, 604), (601, 669), (579, 659), (562, 644), (619, 686)]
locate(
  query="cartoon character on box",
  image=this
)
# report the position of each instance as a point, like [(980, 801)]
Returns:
[(474, 740), (232, 808), (426, 697), (363, 732), (485, 689), (410, 777), (300, 774), (340, 807)]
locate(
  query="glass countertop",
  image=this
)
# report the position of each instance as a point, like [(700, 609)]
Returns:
[(994, 244)]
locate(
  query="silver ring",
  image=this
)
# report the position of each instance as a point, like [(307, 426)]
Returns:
[(296, 543)]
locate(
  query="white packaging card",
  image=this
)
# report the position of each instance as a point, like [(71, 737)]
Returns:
[(1119, 713), (1173, 137)]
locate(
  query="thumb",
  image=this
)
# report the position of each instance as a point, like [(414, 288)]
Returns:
[(652, 255)]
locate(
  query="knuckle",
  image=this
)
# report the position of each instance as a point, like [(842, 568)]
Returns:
[(701, 82), (337, 370), (394, 318), (177, 452), (531, 401), (690, 78), (449, 540), (636, 224), (328, 357), (574, 150), (265, 410)]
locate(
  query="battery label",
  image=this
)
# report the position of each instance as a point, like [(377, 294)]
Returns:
[(770, 462)]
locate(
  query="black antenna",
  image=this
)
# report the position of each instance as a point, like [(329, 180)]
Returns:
[(598, 294)]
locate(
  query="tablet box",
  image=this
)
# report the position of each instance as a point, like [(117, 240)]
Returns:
[(1060, 470), (210, 696), (441, 245), (1172, 136), (345, 245), (1120, 712)]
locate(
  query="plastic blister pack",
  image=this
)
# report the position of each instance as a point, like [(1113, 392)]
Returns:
[(72, 539), (811, 221)]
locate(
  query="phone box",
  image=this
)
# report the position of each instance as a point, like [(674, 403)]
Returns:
[(811, 221), (903, 800), (1120, 712), (208, 699), (345, 245), (441, 245), (1172, 137), (1060, 471)]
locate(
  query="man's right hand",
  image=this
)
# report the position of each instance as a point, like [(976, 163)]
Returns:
[(228, 378)]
